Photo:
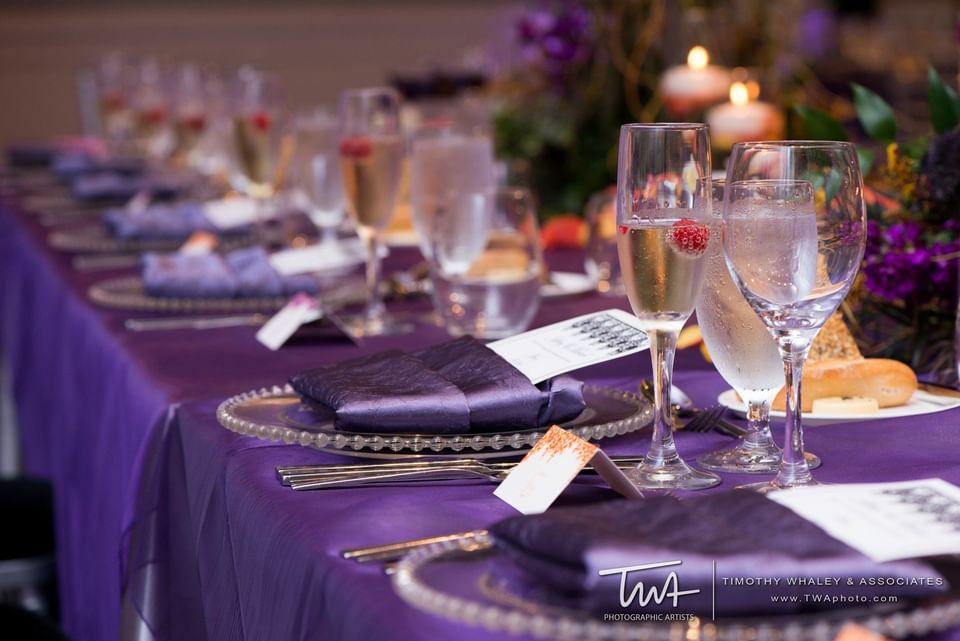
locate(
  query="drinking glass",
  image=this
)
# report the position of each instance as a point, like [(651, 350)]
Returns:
[(153, 134), (745, 355), (794, 228), (190, 108), (448, 172), (663, 234), (371, 163), (257, 132), (114, 81), (317, 184), (601, 263), (485, 263)]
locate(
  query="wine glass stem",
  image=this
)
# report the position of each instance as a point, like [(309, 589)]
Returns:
[(662, 449), (758, 426), (374, 311), (793, 466)]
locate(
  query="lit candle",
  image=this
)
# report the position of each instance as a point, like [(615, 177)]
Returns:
[(743, 119), (698, 84)]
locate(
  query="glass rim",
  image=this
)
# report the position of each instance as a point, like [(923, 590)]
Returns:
[(664, 125), (797, 144)]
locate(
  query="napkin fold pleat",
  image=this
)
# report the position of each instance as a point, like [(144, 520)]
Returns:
[(242, 273), (456, 387), (761, 549)]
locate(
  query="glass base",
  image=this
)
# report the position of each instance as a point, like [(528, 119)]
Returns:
[(767, 487), (361, 326), (744, 460), (673, 475)]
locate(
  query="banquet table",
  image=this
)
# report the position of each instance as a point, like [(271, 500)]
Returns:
[(166, 518)]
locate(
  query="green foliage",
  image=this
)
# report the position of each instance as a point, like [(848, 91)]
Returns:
[(875, 114), (943, 102), (819, 125)]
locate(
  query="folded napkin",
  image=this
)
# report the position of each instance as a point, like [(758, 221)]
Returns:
[(72, 164), (241, 273), (456, 387), (111, 185), (751, 538), (174, 222)]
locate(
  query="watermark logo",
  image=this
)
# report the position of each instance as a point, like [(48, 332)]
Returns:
[(654, 593)]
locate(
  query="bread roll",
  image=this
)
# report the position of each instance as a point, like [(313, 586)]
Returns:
[(890, 382)]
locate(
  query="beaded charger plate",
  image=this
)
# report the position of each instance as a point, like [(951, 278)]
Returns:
[(470, 581), (97, 239), (276, 414), (127, 292)]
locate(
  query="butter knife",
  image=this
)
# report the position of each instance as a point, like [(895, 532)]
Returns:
[(192, 322)]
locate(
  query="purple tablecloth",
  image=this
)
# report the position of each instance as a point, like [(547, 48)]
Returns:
[(124, 426)]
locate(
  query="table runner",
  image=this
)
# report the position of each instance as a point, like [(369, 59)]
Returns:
[(123, 425)]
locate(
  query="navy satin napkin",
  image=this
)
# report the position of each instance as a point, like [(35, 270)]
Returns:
[(241, 273), (761, 550), (174, 222), (453, 388), (31, 155)]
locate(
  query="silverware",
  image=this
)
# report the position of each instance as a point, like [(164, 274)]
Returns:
[(290, 473), (395, 551), (192, 322), (105, 261), (705, 420)]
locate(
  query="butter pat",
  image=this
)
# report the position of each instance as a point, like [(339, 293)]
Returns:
[(845, 405)]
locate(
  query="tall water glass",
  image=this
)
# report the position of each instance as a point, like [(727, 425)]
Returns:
[(257, 131), (317, 183), (448, 170), (663, 234), (485, 264), (371, 162), (794, 229), (745, 355)]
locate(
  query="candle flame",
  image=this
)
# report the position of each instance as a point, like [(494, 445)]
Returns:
[(698, 58), (739, 94)]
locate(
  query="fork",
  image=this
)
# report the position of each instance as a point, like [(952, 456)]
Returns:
[(710, 419)]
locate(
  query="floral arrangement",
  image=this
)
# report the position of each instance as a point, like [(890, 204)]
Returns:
[(905, 302), (585, 68)]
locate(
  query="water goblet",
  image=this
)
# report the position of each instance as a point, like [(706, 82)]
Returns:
[(794, 229), (745, 355)]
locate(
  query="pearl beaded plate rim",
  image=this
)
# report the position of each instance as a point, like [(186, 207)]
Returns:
[(276, 414), (96, 239), (479, 602), (127, 292)]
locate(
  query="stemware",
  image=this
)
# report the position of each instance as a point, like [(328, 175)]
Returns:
[(485, 263), (317, 184), (190, 108), (113, 79), (153, 134), (745, 355), (663, 233), (371, 162), (794, 229)]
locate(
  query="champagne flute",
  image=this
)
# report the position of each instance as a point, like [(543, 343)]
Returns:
[(371, 163), (663, 234), (746, 357), (794, 229)]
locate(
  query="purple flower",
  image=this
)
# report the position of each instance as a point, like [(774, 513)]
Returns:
[(557, 37), (816, 31)]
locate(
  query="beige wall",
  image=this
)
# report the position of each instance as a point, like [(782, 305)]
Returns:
[(317, 49)]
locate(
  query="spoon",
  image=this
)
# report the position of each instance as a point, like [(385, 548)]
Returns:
[(681, 404)]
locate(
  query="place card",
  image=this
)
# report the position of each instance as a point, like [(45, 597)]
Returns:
[(229, 213), (551, 465), (885, 521), (301, 309), (319, 257), (566, 346), (199, 243)]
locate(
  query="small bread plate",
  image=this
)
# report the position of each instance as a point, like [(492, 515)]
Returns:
[(922, 402)]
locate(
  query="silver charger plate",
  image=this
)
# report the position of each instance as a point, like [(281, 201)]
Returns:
[(126, 292), (95, 238), (276, 414), (462, 580)]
